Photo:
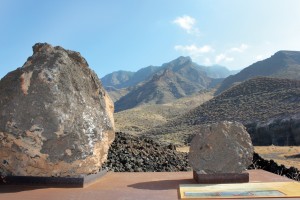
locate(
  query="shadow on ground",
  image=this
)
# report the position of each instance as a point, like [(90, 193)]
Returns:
[(161, 185), (17, 188)]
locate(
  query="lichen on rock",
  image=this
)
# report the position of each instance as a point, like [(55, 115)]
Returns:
[(55, 117)]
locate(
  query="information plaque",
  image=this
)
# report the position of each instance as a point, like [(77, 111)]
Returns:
[(241, 190)]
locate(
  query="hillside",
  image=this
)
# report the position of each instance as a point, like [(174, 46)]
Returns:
[(268, 107), (283, 64), (179, 78), (116, 94), (218, 71), (117, 79), (143, 118)]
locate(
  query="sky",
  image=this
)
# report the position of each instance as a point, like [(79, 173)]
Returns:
[(128, 35)]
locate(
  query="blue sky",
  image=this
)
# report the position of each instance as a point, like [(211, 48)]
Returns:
[(128, 35)]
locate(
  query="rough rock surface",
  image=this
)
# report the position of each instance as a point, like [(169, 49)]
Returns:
[(55, 117), (133, 154), (223, 147)]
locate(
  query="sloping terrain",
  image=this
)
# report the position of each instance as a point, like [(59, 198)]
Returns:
[(123, 79), (143, 118), (283, 64), (179, 78), (218, 71), (117, 79), (268, 107), (116, 94)]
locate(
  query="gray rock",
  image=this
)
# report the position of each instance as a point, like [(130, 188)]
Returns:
[(223, 147), (55, 117)]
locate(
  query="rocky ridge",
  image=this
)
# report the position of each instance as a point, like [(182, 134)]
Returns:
[(283, 64), (259, 103), (123, 79)]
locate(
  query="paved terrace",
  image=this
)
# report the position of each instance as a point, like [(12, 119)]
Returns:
[(123, 186)]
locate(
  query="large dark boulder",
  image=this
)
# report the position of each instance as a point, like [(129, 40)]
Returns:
[(55, 117)]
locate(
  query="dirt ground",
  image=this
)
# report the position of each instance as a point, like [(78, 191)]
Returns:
[(285, 155)]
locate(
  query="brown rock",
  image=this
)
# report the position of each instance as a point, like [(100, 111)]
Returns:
[(55, 117), (223, 147)]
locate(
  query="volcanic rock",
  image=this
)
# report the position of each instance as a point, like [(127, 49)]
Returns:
[(223, 147), (130, 153), (273, 167), (55, 117)]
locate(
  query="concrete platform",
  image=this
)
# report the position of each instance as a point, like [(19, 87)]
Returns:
[(123, 186)]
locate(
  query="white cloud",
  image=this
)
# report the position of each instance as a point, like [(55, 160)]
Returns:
[(222, 57), (239, 49), (262, 56), (258, 57), (207, 61), (194, 49), (187, 23), (196, 52)]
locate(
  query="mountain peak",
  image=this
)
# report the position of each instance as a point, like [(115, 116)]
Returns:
[(179, 61), (283, 64), (184, 58), (295, 55), (288, 52)]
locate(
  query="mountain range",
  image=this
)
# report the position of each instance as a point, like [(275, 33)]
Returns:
[(265, 97), (283, 64), (157, 85), (123, 79)]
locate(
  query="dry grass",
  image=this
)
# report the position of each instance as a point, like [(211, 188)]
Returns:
[(143, 118), (280, 154)]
